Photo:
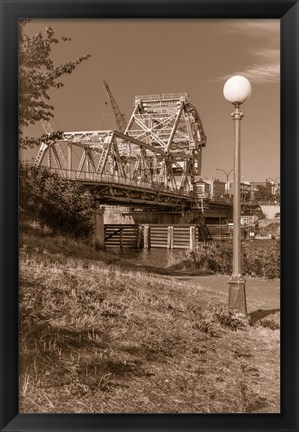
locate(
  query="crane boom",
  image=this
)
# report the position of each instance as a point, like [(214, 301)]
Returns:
[(119, 116)]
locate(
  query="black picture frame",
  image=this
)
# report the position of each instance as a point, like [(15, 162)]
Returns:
[(285, 10)]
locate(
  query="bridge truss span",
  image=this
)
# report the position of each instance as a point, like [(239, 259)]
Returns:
[(162, 144), (154, 161)]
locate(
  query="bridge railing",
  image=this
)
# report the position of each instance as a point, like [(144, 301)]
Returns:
[(164, 96), (86, 176)]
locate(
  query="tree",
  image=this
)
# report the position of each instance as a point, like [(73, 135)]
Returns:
[(62, 205), (37, 75), (262, 194)]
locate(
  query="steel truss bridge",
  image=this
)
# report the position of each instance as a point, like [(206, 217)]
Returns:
[(153, 163)]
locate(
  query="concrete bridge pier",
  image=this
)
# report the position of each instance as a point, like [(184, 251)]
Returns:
[(99, 230)]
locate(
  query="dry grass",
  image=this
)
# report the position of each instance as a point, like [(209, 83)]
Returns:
[(97, 337)]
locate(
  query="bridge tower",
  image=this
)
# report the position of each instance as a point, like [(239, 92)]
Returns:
[(171, 123)]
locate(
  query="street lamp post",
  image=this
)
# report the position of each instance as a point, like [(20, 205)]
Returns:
[(275, 183), (236, 90), (227, 174)]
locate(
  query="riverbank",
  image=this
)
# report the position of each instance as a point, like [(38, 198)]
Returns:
[(98, 335)]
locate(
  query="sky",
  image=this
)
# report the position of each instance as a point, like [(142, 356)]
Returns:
[(139, 57)]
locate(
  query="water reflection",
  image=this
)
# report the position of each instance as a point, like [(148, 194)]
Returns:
[(155, 257)]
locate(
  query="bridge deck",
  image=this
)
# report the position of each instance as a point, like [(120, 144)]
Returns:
[(119, 190)]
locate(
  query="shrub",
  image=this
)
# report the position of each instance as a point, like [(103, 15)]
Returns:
[(217, 257), (264, 262), (62, 205), (211, 256)]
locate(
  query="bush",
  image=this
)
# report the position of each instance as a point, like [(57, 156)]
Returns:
[(217, 257), (264, 262), (212, 257), (61, 205)]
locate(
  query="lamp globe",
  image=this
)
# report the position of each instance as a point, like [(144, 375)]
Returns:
[(237, 89)]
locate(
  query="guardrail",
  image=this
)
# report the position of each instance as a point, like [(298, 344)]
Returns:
[(107, 178)]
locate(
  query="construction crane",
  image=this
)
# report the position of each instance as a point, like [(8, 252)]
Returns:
[(119, 116)]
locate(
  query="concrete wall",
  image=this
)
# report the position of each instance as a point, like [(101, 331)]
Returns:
[(123, 215), (270, 210), (116, 215)]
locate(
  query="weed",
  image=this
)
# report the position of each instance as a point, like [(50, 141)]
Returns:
[(271, 324), (207, 326), (229, 318)]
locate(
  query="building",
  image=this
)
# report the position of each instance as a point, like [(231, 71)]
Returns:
[(217, 188), (274, 186), (245, 190)]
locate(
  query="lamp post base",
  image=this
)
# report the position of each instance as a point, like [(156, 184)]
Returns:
[(237, 295)]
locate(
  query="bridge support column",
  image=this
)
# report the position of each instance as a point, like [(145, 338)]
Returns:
[(139, 236), (99, 231), (192, 238), (170, 237), (146, 237)]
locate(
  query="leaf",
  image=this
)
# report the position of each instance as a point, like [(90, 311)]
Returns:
[(38, 75)]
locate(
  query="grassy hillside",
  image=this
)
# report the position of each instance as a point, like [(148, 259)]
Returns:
[(97, 336)]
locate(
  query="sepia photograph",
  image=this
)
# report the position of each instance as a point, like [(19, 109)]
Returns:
[(149, 216)]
